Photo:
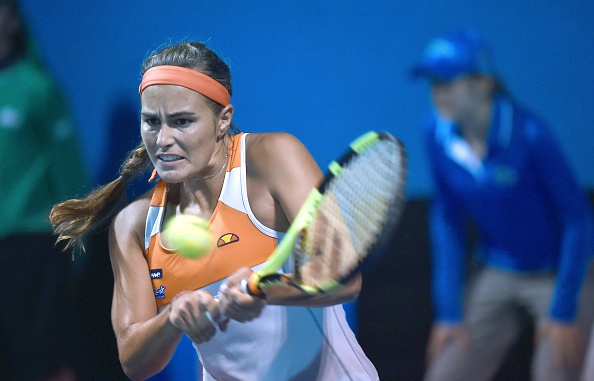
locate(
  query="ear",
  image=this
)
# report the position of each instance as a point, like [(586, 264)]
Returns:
[(224, 119)]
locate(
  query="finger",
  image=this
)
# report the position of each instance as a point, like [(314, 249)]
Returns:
[(196, 338), (213, 313), (201, 336), (224, 289), (232, 310), (180, 294), (201, 332), (176, 318), (243, 285), (210, 318), (182, 323), (216, 318), (224, 323)]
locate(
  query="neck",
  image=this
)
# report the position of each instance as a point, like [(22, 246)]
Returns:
[(200, 195), (476, 127), (218, 171), (190, 197), (221, 152), (476, 124)]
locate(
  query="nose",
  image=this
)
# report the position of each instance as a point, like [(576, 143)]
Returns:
[(165, 137)]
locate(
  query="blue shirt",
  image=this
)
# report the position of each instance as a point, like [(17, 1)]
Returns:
[(529, 210)]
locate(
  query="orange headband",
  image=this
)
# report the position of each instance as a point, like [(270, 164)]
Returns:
[(188, 78)]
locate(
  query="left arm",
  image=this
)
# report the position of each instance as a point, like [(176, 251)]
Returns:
[(575, 216), (575, 248)]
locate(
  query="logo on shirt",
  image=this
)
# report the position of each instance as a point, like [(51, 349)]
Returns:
[(156, 273), (160, 292), (505, 176), (226, 239)]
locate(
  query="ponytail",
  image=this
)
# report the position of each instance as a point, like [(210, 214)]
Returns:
[(74, 219)]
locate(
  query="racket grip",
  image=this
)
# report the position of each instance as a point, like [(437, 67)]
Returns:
[(250, 286), (222, 319), (209, 316), (212, 320)]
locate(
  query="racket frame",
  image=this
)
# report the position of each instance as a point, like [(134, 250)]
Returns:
[(268, 273)]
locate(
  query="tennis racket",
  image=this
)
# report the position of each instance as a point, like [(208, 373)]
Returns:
[(358, 203)]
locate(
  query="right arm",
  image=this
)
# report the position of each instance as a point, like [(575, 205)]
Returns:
[(147, 339)]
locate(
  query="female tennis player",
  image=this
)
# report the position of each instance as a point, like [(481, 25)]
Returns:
[(249, 187)]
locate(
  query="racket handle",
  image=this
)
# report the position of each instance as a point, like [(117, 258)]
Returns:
[(209, 316), (218, 321), (250, 286)]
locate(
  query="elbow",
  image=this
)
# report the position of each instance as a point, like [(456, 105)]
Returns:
[(138, 372)]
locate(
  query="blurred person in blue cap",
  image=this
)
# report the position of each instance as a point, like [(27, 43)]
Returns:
[(498, 168)]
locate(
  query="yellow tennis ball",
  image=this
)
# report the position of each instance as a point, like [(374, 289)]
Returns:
[(189, 235)]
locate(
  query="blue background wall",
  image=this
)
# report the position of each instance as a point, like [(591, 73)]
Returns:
[(322, 70)]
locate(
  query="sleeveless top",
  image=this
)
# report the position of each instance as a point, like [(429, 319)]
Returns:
[(283, 343)]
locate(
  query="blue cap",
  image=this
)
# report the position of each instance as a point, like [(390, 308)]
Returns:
[(454, 55)]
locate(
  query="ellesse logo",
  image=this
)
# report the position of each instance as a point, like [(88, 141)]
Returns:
[(227, 239)]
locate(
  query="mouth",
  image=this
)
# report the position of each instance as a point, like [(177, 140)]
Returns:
[(168, 158)]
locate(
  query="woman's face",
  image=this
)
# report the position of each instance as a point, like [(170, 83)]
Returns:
[(180, 132)]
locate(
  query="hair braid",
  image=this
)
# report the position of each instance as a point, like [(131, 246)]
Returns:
[(74, 219)]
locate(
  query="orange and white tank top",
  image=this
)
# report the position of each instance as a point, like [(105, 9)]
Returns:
[(242, 241), (283, 343)]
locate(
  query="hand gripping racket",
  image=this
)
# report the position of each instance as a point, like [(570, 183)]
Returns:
[(357, 204)]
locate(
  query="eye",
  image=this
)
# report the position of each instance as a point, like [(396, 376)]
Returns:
[(182, 122), (151, 121)]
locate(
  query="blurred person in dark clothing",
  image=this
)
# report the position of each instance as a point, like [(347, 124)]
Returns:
[(40, 164)]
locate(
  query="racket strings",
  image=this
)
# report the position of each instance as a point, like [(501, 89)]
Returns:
[(326, 251), (351, 216), (366, 190)]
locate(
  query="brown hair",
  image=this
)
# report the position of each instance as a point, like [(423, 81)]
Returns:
[(74, 219)]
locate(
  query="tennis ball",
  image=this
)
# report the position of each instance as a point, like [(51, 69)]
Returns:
[(189, 235)]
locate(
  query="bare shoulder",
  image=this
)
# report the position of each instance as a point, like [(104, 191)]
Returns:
[(276, 149), (129, 223), (273, 143), (280, 169)]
